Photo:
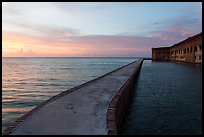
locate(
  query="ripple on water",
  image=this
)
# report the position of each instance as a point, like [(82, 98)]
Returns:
[(167, 100)]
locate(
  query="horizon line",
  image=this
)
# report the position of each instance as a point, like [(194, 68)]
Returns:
[(82, 57)]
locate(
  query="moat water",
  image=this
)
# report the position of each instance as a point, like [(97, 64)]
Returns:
[(167, 100)]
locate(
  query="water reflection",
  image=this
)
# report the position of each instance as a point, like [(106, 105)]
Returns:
[(167, 100)]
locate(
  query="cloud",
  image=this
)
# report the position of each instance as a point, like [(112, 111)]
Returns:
[(10, 9), (51, 40), (87, 45), (66, 37), (43, 30), (174, 34), (180, 28), (55, 42)]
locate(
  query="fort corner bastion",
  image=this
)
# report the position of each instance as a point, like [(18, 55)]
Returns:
[(188, 50)]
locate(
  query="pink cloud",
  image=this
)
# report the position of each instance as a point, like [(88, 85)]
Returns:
[(167, 37), (182, 30), (90, 45), (174, 33)]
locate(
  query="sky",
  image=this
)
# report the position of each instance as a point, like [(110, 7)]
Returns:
[(95, 29)]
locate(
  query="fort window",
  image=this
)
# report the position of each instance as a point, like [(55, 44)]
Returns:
[(195, 49), (191, 49), (200, 47), (185, 50), (178, 51)]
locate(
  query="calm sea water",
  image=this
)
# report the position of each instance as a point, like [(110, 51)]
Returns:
[(29, 81), (167, 100)]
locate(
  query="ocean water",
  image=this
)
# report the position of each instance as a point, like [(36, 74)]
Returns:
[(27, 82), (167, 100)]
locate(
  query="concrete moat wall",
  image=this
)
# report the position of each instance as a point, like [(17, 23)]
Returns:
[(96, 107), (119, 103)]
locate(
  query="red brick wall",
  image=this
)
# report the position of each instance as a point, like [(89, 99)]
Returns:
[(160, 53), (182, 51)]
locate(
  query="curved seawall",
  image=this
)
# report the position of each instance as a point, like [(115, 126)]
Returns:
[(93, 108), (119, 103)]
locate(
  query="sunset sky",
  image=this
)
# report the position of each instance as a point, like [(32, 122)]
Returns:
[(107, 29)]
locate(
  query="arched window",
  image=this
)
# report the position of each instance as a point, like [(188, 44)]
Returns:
[(191, 49), (199, 57), (195, 49), (200, 47)]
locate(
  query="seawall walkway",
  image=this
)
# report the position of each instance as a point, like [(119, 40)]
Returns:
[(89, 109)]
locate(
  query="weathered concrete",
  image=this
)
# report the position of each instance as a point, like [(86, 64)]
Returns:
[(119, 103), (83, 111)]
